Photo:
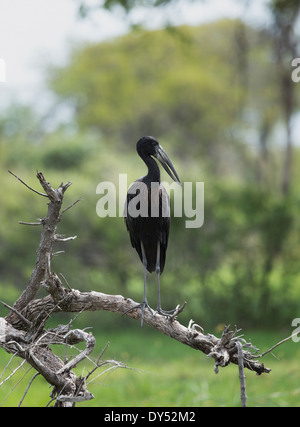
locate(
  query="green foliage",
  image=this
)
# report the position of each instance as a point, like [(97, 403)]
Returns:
[(168, 374), (183, 86), (174, 72)]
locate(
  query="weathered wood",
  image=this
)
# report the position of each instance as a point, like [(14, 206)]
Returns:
[(63, 300), (23, 333)]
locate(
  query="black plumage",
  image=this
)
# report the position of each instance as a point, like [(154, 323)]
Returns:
[(147, 213)]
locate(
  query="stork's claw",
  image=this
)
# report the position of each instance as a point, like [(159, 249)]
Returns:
[(171, 313), (143, 305), (159, 310)]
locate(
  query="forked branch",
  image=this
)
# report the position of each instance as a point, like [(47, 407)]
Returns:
[(48, 238), (23, 331)]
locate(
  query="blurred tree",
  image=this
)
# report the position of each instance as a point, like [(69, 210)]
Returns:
[(188, 76), (86, 7), (286, 44), (186, 86), (283, 34)]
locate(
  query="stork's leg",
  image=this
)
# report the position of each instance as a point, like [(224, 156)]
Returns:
[(157, 269), (145, 271), (144, 304)]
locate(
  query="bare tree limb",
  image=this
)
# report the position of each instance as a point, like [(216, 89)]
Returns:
[(26, 185), (69, 207), (241, 374), (23, 334), (223, 349), (276, 345), (76, 335), (30, 223), (28, 323), (39, 355), (47, 241), (28, 387)]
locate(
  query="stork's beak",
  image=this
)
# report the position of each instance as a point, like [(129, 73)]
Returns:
[(166, 163)]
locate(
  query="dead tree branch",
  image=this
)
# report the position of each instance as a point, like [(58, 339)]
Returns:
[(223, 350), (23, 333), (241, 374), (48, 237)]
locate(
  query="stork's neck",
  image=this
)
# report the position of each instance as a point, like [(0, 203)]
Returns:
[(153, 171)]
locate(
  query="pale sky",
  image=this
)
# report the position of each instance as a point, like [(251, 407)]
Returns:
[(34, 33)]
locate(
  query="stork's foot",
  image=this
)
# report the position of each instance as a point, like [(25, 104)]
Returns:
[(171, 313), (143, 305), (159, 310)]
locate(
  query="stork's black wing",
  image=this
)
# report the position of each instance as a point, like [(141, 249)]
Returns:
[(149, 229)]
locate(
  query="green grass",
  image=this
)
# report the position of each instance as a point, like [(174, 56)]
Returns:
[(167, 373)]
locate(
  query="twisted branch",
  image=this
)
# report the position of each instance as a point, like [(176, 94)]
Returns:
[(22, 332)]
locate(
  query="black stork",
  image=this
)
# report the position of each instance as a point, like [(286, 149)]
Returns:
[(149, 228)]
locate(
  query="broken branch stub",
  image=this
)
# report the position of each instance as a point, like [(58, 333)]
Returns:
[(48, 237), (23, 331)]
